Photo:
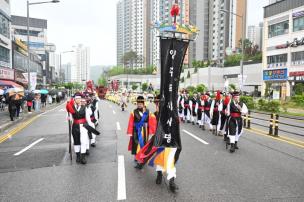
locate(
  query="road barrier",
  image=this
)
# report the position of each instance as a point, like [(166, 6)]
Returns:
[(275, 127)]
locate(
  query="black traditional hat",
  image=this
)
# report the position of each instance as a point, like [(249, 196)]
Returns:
[(140, 99), (207, 94), (78, 95), (235, 93)]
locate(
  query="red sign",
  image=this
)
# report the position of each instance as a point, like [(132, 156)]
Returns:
[(296, 73), (7, 74)]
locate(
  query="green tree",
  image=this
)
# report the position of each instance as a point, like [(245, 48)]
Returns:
[(232, 87), (299, 89), (134, 86), (144, 86), (201, 88), (102, 81)]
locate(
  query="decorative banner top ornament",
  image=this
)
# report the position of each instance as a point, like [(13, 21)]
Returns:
[(174, 10)]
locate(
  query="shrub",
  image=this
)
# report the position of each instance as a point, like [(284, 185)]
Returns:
[(201, 88), (144, 87), (273, 106), (190, 89), (299, 89), (262, 104), (298, 99), (248, 101)]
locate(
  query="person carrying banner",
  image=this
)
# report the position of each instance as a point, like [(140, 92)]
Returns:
[(193, 110), (216, 107), (235, 110), (140, 129)]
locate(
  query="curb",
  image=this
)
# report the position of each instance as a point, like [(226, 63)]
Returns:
[(26, 117)]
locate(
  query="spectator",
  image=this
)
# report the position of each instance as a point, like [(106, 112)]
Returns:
[(29, 103), (50, 99), (18, 103), (43, 100), (12, 107)]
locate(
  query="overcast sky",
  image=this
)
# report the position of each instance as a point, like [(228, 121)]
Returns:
[(93, 23)]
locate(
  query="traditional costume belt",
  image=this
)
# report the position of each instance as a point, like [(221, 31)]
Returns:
[(193, 105), (207, 108), (235, 115), (201, 108), (215, 109), (79, 121), (186, 105)]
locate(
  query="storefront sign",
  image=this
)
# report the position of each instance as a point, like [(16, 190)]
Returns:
[(7, 74), (21, 44), (296, 73), (276, 75)]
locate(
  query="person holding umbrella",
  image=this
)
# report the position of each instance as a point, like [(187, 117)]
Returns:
[(29, 102)]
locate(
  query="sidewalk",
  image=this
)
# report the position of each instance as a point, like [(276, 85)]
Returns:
[(5, 121)]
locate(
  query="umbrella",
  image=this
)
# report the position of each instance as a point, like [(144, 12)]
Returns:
[(44, 91), (53, 92), (36, 91), (14, 91)]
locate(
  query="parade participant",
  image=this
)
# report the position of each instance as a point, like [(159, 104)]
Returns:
[(123, 101), (199, 109), (84, 103), (140, 128), (216, 107), (193, 110), (224, 117), (95, 108), (186, 108), (91, 106), (180, 106), (235, 110), (207, 106), (80, 117)]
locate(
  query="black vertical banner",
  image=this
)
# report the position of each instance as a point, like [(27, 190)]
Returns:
[(172, 57)]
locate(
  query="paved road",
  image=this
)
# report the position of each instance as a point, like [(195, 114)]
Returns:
[(264, 169)]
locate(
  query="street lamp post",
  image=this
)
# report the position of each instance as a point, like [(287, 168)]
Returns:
[(243, 40), (60, 67), (28, 4)]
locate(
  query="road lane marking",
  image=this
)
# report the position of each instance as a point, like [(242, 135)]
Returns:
[(114, 112), (118, 126), (28, 147), (23, 125), (121, 185), (195, 137), (262, 133)]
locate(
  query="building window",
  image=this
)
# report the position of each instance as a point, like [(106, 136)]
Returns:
[(278, 29), (4, 26), (298, 24), (297, 58), (4, 54), (277, 60)]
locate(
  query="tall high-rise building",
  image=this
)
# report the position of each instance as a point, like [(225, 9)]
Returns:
[(5, 35), (225, 29), (80, 64), (255, 34)]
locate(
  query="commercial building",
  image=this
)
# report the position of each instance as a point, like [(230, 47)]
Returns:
[(283, 59), (5, 35)]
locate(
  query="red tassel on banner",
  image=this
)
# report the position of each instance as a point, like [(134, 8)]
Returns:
[(174, 10)]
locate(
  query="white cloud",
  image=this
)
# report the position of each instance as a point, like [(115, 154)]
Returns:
[(70, 22)]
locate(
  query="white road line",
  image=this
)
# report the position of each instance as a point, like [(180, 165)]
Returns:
[(61, 110), (121, 185), (197, 138), (114, 112), (28, 147), (118, 126)]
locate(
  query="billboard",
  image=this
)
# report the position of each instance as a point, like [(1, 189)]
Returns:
[(275, 75)]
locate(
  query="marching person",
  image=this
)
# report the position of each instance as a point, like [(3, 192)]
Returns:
[(95, 105), (193, 110), (207, 106), (80, 117), (180, 106), (199, 109), (216, 107), (186, 108), (140, 128), (224, 117), (123, 101), (235, 110)]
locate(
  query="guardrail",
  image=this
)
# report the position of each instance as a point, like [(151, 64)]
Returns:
[(274, 124)]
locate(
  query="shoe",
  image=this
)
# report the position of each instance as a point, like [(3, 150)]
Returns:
[(87, 152), (93, 144), (235, 145), (138, 166), (225, 138), (188, 121), (173, 187), (200, 126), (83, 159), (193, 123), (77, 157), (159, 177), (232, 148)]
